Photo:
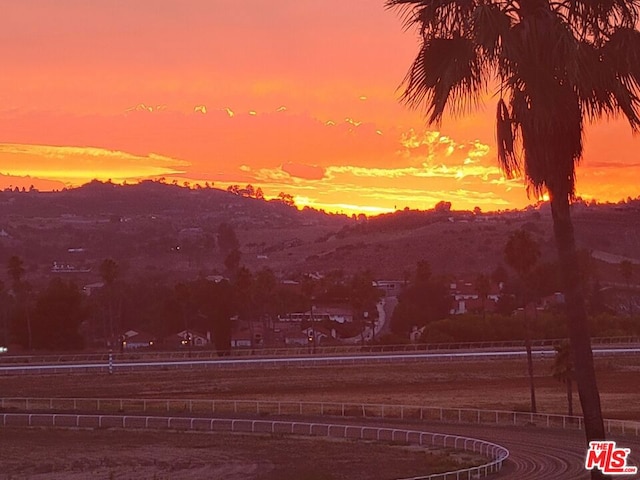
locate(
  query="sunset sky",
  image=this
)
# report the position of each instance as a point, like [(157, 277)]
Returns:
[(298, 96)]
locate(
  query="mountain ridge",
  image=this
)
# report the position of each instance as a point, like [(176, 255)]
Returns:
[(158, 227)]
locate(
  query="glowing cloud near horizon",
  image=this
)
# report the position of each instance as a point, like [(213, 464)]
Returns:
[(222, 95), (83, 164)]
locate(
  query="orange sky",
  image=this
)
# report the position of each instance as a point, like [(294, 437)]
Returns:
[(293, 95)]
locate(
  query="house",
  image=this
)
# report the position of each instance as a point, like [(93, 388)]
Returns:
[(249, 333), (187, 338), (320, 314), (312, 335), (68, 268), (241, 339), (216, 278), (299, 317), (190, 232), (299, 338), (134, 340), (335, 313), (390, 287), (416, 334), (319, 334), (465, 298), (92, 287), (552, 300)]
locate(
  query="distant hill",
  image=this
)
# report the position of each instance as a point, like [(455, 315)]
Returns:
[(160, 229)]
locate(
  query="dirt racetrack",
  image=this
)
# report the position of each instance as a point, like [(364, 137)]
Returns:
[(536, 453)]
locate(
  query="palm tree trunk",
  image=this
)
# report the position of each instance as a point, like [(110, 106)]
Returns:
[(29, 332), (578, 326), (527, 343), (570, 396)]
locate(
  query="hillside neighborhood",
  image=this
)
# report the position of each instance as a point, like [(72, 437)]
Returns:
[(175, 268)]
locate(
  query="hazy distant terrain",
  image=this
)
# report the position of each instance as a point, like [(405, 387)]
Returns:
[(166, 229)]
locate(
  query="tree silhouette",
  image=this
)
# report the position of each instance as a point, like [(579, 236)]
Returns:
[(483, 289), (21, 289), (264, 289), (15, 269), (287, 199), (363, 297), (58, 314), (227, 239), (556, 64), (4, 315), (562, 371), (626, 270), (232, 261), (213, 305), (425, 300), (521, 253), (110, 271)]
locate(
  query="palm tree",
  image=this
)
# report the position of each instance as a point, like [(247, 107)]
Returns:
[(555, 64), (522, 253)]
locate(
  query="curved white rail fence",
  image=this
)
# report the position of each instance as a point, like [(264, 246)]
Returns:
[(271, 407), (495, 453)]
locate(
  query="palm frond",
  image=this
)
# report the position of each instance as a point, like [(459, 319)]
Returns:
[(621, 56), (552, 129), (490, 24), (506, 132), (435, 18), (599, 18), (557, 62), (442, 18), (445, 68), (607, 78), (407, 9)]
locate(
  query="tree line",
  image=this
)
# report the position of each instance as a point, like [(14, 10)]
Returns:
[(61, 316), (426, 301)]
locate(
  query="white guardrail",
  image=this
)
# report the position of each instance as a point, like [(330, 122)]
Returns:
[(301, 361), (198, 354), (336, 409), (495, 453)]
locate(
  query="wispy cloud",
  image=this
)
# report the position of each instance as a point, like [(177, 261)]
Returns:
[(436, 171)]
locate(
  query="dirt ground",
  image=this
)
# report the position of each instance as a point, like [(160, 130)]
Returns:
[(38, 454), (485, 385), (119, 455)]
